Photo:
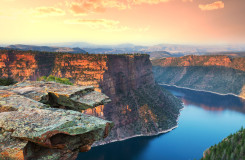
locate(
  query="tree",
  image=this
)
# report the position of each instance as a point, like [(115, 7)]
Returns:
[(224, 155)]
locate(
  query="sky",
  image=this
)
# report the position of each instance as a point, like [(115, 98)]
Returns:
[(123, 21)]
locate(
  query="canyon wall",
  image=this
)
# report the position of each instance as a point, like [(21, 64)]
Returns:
[(221, 74), (139, 106)]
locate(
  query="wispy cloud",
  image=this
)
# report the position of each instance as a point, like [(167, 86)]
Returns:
[(187, 0), (103, 24), (82, 7), (47, 11), (148, 1), (212, 6)]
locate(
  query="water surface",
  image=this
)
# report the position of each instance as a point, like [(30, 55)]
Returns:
[(206, 119)]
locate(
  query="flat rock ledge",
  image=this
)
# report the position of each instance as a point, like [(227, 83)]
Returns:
[(32, 129)]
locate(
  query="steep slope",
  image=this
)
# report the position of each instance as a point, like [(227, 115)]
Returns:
[(221, 74), (232, 147), (138, 107)]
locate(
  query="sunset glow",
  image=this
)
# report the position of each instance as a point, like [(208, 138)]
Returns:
[(122, 21)]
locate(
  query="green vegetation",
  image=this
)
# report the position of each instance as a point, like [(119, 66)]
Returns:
[(7, 81), (55, 79), (231, 148)]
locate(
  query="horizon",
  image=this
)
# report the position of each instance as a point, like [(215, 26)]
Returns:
[(139, 22), (92, 45)]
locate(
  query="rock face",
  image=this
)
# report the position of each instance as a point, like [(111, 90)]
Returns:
[(138, 105), (237, 63), (59, 95), (220, 74), (32, 130)]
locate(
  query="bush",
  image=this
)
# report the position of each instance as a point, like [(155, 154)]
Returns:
[(7, 81), (55, 79)]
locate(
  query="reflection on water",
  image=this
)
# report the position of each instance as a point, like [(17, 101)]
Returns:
[(206, 120), (123, 150), (208, 101)]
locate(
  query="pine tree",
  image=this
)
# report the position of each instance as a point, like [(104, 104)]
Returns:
[(232, 157), (224, 155), (241, 152)]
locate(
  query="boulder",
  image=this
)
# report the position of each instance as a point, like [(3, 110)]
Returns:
[(60, 95), (10, 101), (30, 129), (61, 131)]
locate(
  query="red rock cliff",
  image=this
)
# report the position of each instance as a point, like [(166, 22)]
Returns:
[(138, 107), (221, 74), (193, 60)]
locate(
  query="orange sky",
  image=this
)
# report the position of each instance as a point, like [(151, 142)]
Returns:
[(123, 21)]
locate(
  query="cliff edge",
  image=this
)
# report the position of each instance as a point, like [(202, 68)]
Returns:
[(220, 74), (138, 105), (31, 127)]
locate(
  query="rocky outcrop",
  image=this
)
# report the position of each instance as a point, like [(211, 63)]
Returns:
[(32, 130), (138, 105), (220, 74), (60, 95), (237, 63)]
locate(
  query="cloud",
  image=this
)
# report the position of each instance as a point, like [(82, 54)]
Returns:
[(47, 11), (82, 7), (103, 24), (93, 22), (148, 1), (187, 0), (212, 6)]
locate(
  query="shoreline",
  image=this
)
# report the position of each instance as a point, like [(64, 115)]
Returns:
[(146, 135), (198, 90)]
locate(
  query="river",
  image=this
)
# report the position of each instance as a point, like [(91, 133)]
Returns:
[(206, 119)]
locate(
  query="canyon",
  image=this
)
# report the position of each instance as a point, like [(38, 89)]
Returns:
[(138, 105), (217, 73)]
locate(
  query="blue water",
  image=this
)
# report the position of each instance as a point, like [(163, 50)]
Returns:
[(206, 119)]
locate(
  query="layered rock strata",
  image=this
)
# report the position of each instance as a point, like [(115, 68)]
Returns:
[(219, 74), (32, 130), (139, 106)]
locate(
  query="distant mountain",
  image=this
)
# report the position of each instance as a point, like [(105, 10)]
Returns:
[(232, 54), (171, 48), (46, 48), (155, 51), (161, 54), (195, 49)]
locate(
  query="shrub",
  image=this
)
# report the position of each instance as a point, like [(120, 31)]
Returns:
[(7, 81), (55, 79)]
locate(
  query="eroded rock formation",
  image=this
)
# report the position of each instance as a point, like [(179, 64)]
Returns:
[(139, 106), (220, 74), (237, 63), (30, 129)]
